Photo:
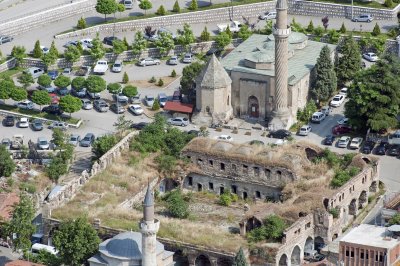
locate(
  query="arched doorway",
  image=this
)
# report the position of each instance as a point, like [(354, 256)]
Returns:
[(295, 258), (309, 245), (319, 243), (283, 261), (253, 107), (363, 199), (353, 207), (180, 258), (224, 262), (202, 260)]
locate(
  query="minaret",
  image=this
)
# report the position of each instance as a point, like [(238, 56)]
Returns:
[(149, 228), (281, 34)]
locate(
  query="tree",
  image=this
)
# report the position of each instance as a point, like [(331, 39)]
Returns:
[(156, 105), (205, 36), (186, 36), (223, 39), (78, 83), (125, 78), (193, 5), (56, 168), (114, 88), (161, 11), (122, 124), (21, 224), (374, 97), (139, 44), (126, 43), (244, 32), (176, 205), (76, 241), (145, 5), (72, 54), (70, 104), (44, 81), (165, 43), (189, 74), (343, 29), (173, 73), (268, 28), (106, 7), (81, 24), (349, 63), (51, 57), (62, 81), (53, 50), (240, 258), (376, 31), (46, 258), (41, 98), (388, 3), (395, 219), (37, 50), (95, 84), (120, 8), (129, 91), (6, 86), (18, 94), (97, 50), (176, 8), (25, 79), (274, 227), (59, 138), (19, 53), (7, 165), (103, 144), (325, 77), (119, 47), (310, 27), (80, 47)]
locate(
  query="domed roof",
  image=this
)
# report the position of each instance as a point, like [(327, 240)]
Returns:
[(261, 57), (245, 150), (223, 146)]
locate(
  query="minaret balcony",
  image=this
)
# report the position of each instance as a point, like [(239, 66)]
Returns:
[(282, 32)]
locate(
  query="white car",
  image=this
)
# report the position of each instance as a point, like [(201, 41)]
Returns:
[(304, 130), (45, 50), (117, 67), (27, 105), (225, 137), (325, 110), (135, 109), (59, 125), (344, 91), (187, 58), (43, 144), (343, 142), (343, 121), (149, 100), (337, 100), (268, 15), (356, 143), (148, 61), (178, 121), (372, 57), (86, 104), (74, 140), (87, 43), (23, 122)]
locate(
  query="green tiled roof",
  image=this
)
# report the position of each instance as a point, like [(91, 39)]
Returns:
[(300, 64)]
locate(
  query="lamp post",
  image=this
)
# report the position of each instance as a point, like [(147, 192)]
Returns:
[(352, 9)]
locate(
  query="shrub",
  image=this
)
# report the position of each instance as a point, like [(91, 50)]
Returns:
[(152, 80), (334, 212), (161, 11), (376, 31), (388, 3), (103, 144), (156, 105), (173, 73), (176, 205), (319, 31), (81, 24), (193, 5), (272, 229), (176, 7), (225, 199), (166, 163), (160, 82), (343, 29), (310, 27)]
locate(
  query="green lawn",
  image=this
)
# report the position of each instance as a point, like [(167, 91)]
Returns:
[(10, 72)]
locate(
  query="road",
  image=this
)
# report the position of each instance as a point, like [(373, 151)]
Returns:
[(7, 255)]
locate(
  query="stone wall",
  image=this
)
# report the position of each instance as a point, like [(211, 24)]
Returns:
[(8, 64)]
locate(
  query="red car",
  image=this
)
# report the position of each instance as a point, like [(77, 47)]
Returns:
[(341, 129), (54, 98)]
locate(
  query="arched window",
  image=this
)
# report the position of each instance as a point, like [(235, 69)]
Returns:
[(208, 109), (227, 101)]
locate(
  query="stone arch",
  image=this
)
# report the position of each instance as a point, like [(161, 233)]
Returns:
[(374, 186), (283, 261), (224, 262), (202, 260), (319, 243), (208, 109), (309, 244), (180, 258), (252, 223), (295, 258), (366, 160), (227, 100), (353, 207), (253, 107), (326, 203), (363, 199)]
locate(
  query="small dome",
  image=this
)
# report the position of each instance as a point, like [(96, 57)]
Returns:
[(223, 146), (294, 37), (245, 150), (261, 57)]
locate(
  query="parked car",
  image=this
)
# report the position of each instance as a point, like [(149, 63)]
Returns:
[(325, 110), (368, 147), (17, 142), (53, 74), (26, 105), (363, 18), (74, 140), (394, 150), (86, 104), (337, 100), (49, 89), (178, 121), (78, 93), (86, 43), (317, 257), (341, 129), (128, 4), (117, 108), (136, 99), (59, 125), (43, 143), (34, 71), (343, 121), (109, 40), (93, 95), (121, 98), (70, 43), (139, 126), (355, 143), (215, 50), (117, 66), (53, 109), (329, 140), (148, 61), (67, 71), (5, 39), (304, 130), (343, 91), (177, 96), (9, 121), (88, 140), (162, 99), (83, 71), (100, 105), (195, 133), (173, 60), (6, 142), (63, 91), (188, 58), (55, 99), (280, 134), (37, 125), (317, 117), (343, 142), (149, 100), (268, 15), (225, 137), (135, 109), (381, 148), (372, 57), (23, 122)]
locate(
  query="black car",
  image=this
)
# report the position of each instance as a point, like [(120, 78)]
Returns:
[(53, 74), (381, 148), (329, 140), (5, 39), (109, 40), (368, 147), (194, 132), (9, 121), (53, 109), (394, 150), (280, 134), (139, 126), (216, 51), (37, 125)]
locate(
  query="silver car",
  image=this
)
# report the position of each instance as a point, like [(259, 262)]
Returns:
[(178, 121), (74, 140), (86, 104), (187, 58), (100, 105), (173, 60), (117, 67), (59, 125), (43, 143), (149, 61), (363, 18), (87, 140)]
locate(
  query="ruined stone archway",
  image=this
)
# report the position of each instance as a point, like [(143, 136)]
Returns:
[(373, 187), (283, 261), (353, 207), (253, 107), (363, 199), (224, 262), (319, 243), (180, 258), (252, 223), (295, 258), (202, 260), (309, 245)]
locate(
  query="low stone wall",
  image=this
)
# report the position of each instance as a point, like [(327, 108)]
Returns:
[(8, 65)]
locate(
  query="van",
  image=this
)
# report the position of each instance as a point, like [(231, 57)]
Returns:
[(309, 254), (176, 97), (35, 72), (38, 247), (317, 117), (128, 4)]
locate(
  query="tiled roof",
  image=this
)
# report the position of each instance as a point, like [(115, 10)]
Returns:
[(179, 107), (22, 263), (7, 200)]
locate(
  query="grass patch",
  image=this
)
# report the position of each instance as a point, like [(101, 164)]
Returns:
[(10, 72)]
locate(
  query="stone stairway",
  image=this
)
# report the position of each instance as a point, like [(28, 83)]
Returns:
[(82, 161)]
